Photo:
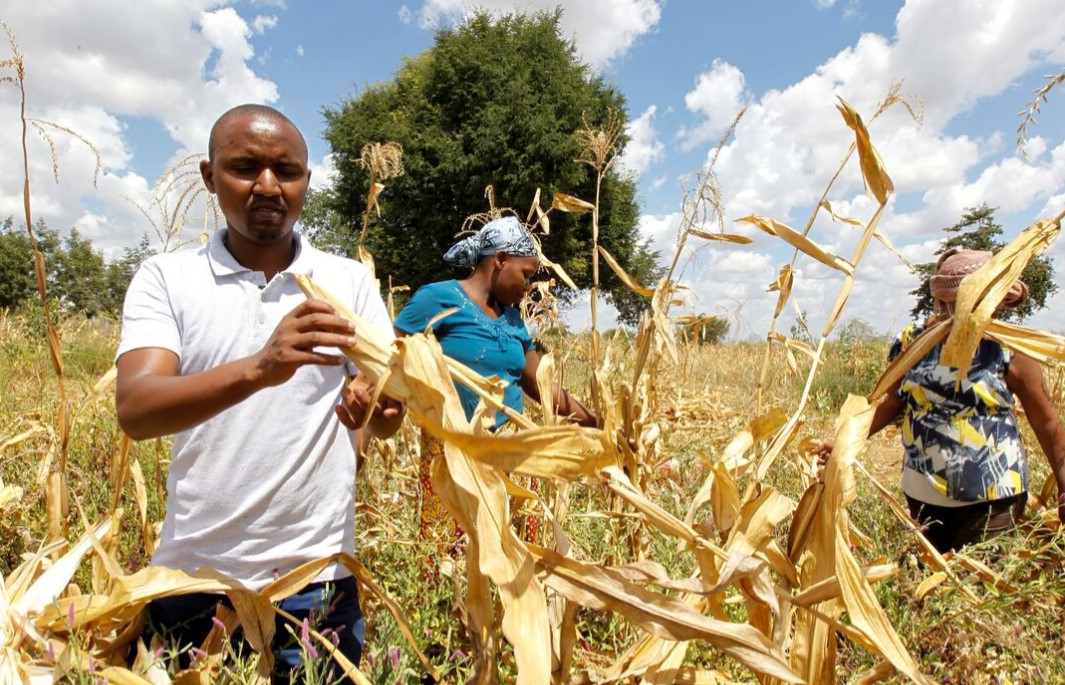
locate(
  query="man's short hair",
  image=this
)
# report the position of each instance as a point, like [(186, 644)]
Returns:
[(248, 108)]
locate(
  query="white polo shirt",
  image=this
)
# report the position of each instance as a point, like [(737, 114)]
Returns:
[(269, 483)]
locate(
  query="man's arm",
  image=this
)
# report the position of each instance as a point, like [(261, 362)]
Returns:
[(153, 400)]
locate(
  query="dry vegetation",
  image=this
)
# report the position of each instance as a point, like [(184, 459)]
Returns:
[(715, 551)]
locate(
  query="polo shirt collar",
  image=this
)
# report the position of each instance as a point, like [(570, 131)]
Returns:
[(223, 263)]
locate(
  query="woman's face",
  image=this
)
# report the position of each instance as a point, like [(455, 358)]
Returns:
[(512, 278)]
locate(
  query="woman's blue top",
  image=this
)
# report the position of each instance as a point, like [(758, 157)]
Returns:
[(491, 347)]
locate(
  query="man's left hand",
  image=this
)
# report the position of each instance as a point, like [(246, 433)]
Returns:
[(354, 406)]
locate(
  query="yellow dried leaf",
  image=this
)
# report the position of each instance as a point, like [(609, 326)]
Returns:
[(983, 291), (623, 275), (569, 203), (876, 177), (800, 242), (723, 237)]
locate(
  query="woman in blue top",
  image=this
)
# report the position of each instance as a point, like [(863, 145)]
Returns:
[(486, 333)]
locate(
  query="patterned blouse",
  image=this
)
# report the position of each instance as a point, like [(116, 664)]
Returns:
[(962, 442)]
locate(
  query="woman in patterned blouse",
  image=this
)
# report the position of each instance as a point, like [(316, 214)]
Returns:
[(965, 472)]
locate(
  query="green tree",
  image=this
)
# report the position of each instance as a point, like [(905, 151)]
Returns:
[(496, 101), (120, 272), (978, 230), (79, 275), (17, 279)]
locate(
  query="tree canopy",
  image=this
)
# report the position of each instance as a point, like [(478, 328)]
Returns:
[(79, 279), (978, 230), (496, 101)]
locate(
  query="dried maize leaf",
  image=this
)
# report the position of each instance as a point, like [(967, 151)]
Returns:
[(541, 216), (558, 270), (928, 584), (563, 452), (802, 521), (628, 280), (723, 237), (569, 203), (830, 588), (366, 259), (140, 494), (882, 671), (910, 356), (983, 291), (475, 494), (42, 593), (599, 588), (985, 573), (866, 614), (876, 234), (876, 177), (130, 594), (1039, 345), (837, 308), (800, 242), (828, 208), (35, 428), (724, 498), (793, 344), (256, 615)]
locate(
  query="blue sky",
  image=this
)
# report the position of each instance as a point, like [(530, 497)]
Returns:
[(145, 84)]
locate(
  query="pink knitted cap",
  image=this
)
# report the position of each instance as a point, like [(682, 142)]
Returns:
[(957, 263)]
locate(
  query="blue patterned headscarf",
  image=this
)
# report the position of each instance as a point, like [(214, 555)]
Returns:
[(500, 235)]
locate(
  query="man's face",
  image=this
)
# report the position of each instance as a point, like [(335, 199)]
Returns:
[(259, 175)]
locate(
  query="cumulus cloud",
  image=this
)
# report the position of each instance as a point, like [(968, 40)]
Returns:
[(644, 148), (405, 15), (791, 140), (603, 30), (182, 65), (718, 96), (263, 22)]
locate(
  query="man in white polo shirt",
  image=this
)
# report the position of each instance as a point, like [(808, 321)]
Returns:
[(220, 348)]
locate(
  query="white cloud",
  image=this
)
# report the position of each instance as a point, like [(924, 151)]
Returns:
[(178, 64), (300, 52), (405, 15), (323, 173), (718, 96), (644, 148), (263, 22), (602, 29), (791, 140)]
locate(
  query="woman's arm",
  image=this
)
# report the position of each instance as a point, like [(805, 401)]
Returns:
[(565, 404), (1025, 380)]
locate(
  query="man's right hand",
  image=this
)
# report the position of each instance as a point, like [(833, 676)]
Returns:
[(313, 324), (153, 399)]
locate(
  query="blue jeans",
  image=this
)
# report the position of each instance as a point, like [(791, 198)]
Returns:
[(185, 620)]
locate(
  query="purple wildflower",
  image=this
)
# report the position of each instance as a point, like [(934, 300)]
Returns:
[(198, 654), (393, 656), (457, 655), (305, 638), (218, 623), (70, 616)]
